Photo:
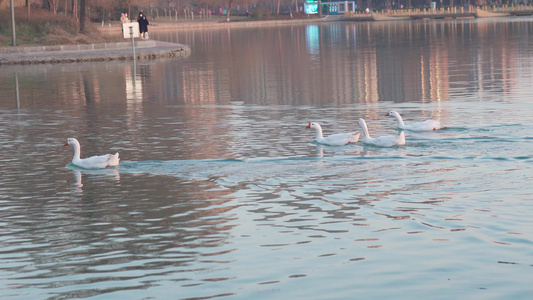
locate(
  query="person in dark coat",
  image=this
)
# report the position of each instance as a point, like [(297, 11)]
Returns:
[(143, 25)]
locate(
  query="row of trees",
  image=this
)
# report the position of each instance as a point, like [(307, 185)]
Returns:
[(111, 9)]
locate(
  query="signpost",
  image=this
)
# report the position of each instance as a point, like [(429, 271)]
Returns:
[(131, 30), (13, 36)]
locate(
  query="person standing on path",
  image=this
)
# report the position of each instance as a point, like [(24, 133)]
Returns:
[(143, 25), (124, 18)]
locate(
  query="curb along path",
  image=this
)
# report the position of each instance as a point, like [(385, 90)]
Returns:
[(90, 52)]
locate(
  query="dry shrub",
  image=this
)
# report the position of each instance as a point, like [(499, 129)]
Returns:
[(45, 28), (56, 36), (4, 40)]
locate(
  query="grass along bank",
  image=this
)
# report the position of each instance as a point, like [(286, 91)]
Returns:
[(44, 28)]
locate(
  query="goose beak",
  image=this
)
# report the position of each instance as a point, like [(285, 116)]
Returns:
[(66, 144), (308, 126), (387, 115)]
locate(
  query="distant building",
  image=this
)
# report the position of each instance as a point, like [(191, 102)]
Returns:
[(329, 7)]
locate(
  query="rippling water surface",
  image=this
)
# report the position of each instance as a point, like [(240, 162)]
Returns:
[(222, 192)]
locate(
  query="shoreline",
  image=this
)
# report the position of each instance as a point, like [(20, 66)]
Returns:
[(144, 49), (220, 24), (151, 49), (91, 52)]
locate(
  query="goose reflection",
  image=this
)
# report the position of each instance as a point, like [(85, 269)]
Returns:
[(319, 150), (332, 150), (77, 186)]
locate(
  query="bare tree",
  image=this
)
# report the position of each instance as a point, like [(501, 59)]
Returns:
[(229, 3), (146, 5), (82, 15), (53, 5), (229, 6), (75, 9), (105, 6), (129, 4), (27, 7)]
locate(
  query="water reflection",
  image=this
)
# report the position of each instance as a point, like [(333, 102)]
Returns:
[(424, 61), (312, 37), (221, 191), (77, 185)]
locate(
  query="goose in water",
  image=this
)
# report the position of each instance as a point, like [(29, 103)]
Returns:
[(427, 125), (381, 141), (93, 162), (338, 139)]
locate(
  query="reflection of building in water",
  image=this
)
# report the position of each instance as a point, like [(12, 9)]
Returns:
[(312, 39), (418, 74), (434, 68), (434, 75), (496, 66), (348, 62), (337, 74), (200, 85), (368, 71)]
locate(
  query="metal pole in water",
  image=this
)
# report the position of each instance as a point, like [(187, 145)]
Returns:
[(17, 97), (134, 72), (132, 43)]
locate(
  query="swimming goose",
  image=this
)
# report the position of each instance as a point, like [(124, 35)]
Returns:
[(427, 125), (93, 162), (381, 141), (338, 139)]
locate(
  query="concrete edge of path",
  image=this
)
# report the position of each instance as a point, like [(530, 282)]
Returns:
[(90, 52)]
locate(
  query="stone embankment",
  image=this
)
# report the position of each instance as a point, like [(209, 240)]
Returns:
[(90, 52), (441, 13)]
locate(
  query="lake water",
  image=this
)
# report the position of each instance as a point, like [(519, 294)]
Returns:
[(222, 192)]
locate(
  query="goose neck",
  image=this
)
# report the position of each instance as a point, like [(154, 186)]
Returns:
[(399, 119), (77, 149), (318, 130), (364, 128)]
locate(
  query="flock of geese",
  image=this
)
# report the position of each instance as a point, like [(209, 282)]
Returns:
[(339, 139)]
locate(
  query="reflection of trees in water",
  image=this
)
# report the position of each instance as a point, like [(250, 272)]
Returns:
[(340, 62)]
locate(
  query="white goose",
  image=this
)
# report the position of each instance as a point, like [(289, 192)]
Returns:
[(338, 139), (427, 125), (93, 162), (382, 141)]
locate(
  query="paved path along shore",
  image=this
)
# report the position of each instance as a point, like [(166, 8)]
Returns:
[(91, 52)]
